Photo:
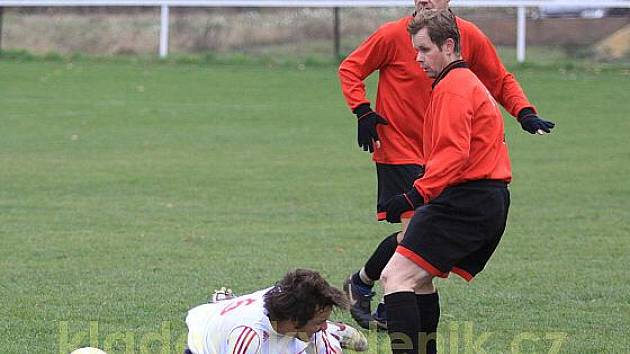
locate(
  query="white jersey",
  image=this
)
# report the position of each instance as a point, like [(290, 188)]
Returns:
[(241, 326)]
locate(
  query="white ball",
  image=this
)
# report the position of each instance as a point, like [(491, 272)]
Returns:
[(88, 350)]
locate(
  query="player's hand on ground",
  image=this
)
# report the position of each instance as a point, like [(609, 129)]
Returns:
[(401, 203), (367, 120), (532, 123), (222, 295)]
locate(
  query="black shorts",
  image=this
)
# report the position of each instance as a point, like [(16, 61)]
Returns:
[(394, 180), (459, 230)]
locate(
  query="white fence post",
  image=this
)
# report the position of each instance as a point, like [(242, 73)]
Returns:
[(521, 31), (164, 31)]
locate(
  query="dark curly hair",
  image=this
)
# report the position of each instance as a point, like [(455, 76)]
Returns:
[(300, 294)]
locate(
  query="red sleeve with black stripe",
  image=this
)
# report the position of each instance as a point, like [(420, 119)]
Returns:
[(243, 340)]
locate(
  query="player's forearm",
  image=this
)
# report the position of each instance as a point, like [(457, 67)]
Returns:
[(512, 97), (352, 85), (498, 80)]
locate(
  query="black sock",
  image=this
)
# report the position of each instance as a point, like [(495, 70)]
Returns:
[(429, 311), (378, 260), (403, 322)]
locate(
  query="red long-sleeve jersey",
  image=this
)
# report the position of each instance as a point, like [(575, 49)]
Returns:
[(463, 135), (403, 88)]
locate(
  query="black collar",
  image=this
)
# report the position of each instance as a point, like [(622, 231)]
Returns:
[(453, 65)]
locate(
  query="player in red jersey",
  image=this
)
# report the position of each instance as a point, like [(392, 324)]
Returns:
[(461, 202), (393, 130)]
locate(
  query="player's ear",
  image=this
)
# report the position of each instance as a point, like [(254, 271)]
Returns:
[(449, 46)]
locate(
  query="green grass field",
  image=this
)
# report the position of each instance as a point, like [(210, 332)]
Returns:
[(129, 191)]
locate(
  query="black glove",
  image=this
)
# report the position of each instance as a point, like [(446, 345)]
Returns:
[(532, 123), (367, 120), (401, 203)]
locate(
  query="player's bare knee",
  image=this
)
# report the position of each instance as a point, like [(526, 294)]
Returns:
[(398, 276), (386, 276), (425, 285), (393, 279)]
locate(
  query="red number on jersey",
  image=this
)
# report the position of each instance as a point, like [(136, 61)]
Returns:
[(231, 307)]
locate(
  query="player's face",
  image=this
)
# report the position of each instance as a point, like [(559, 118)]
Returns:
[(431, 4), (431, 58), (316, 324)]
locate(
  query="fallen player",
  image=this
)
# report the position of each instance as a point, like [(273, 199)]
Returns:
[(290, 317)]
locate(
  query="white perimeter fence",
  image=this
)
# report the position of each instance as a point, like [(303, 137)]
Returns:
[(520, 5)]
